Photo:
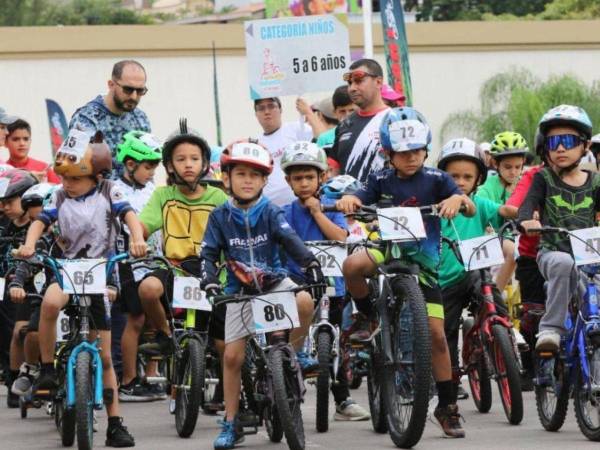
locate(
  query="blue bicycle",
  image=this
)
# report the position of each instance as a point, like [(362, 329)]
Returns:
[(575, 370), (78, 362)]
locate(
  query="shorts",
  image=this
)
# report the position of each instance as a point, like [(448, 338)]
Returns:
[(427, 282), (531, 281), (239, 322), (166, 278), (22, 311), (129, 298)]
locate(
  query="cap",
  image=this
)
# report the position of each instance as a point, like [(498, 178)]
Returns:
[(325, 107), (387, 93), (6, 119)]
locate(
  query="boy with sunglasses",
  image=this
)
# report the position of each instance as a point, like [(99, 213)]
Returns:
[(565, 196)]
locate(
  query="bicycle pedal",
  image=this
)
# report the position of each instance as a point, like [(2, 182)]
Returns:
[(546, 354), (253, 430)]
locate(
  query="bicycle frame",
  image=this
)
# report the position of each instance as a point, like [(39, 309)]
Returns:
[(321, 324)]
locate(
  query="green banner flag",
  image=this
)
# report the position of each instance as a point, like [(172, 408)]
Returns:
[(396, 47)]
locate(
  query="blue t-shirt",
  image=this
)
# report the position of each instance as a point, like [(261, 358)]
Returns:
[(307, 228), (426, 187)]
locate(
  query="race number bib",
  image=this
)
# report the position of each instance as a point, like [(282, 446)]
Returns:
[(586, 246), (62, 327), (273, 312), (84, 276), (2, 286), (401, 224), (481, 252), (187, 294), (331, 258)]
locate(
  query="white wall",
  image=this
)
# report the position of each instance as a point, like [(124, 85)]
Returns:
[(183, 86)]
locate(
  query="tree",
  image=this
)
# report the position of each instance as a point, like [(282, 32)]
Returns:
[(472, 9), (516, 100)]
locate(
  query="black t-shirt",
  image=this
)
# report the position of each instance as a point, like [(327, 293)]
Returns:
[(17, 236), (356, 147)]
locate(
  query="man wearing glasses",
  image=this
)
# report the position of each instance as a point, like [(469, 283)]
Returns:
[(116, 113), (356, 145)]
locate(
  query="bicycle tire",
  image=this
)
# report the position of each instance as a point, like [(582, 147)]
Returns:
[(273, 424), (375, 389), (552, 406), (508, 376), (23, 407), (84, 401), (406, 394), (583, 396), (190, 384), (287, 393), (355, 379), (324, 357), (64, 419)]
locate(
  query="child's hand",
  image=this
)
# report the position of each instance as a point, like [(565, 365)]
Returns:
[(348, 204), (138, 249), (111, 291), (531, 224), (449, 208), (25, 251), (17, 294), (313, 204)]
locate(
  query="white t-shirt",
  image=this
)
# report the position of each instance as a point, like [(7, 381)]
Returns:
[(277, 190)]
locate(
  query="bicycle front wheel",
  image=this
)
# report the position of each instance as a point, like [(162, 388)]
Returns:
[(84, 401), (288, 397), (508, 376), (324, 357), (551, 392), (586, 398), (407, 379), (189, 378)]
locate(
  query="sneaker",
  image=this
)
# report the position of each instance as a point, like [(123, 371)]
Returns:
[(157, 391), (12, 400), (449, 420), (522, 344), (134, 391), (461, 394), (360, 329), (547, 341), (349, 410), (228, 437), (118, 436), (162, 346), (28, 373), (46, 381), (307, 363)]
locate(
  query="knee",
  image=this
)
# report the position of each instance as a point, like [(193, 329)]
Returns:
[(233, 360), (304, 303), (50, 309), (17, 331), (351, 266), (150, 289)]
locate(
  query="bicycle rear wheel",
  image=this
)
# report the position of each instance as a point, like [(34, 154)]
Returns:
[(407, 379), (508, 376), (189, 376), (587, 398), (375, 387), (551, 393), (324, 358), (84, 401), (288, 396)]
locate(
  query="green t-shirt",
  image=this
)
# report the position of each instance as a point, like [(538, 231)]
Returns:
[(451, 270), (325, 139), (494, 190), (181, 220)]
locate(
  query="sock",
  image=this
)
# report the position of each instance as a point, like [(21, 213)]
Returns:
[(363, 305), (446, 393), (114, 421)]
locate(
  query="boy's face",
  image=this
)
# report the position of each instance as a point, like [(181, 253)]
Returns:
[(562, 157), (465, 174), (304, 182), (77, 186), (33, 212), (18, 143), (245, 181), (187, 161), (341, 112), (408, 163), (12, 208), (510, 168), (144, 172)]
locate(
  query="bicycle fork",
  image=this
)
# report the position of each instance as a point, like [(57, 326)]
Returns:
[(324, 324), (92, 349)]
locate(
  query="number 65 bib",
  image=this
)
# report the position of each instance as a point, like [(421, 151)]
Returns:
[(84, 276), (273, 312)]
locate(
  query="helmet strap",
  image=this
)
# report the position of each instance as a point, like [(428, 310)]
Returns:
[(178, 180), (131, 174)]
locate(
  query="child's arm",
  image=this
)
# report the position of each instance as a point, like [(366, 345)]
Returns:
[(137, 244), (508, 212), (329, 229), (532, 202), (450, 207), (35, 231), (210, 253)]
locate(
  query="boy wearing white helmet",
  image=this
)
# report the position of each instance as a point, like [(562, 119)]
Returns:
[(305, 164)]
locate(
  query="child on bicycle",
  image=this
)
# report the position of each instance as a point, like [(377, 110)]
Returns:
[(248, 230), (405, 137), (13, 185), (305, 165), (565, 196), (86, 209), (464, 161), (140, 153)]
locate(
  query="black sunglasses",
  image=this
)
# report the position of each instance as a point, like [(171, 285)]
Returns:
[(130, 90)]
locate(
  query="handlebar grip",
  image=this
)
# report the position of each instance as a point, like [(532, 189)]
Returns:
[(329, 208)]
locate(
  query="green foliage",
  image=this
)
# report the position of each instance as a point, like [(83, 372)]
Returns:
[(571, 9), (68, 12), (516, 100), (473, 9)]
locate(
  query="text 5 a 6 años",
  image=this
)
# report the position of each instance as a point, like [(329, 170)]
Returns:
[(315, 64)]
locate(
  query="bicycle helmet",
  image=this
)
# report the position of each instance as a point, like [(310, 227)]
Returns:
[(37, 195), (179, 136), (139, 146), (404, 129), (78, 156), (304, 153), (485, 147), (567, 115), (248, 152), (14, 183), (336, 187), (508, 143), (463, 149)]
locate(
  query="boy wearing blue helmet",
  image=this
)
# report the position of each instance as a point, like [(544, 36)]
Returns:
[(404, 136)]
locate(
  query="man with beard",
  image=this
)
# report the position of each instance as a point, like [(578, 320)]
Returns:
[(356, 146), (116, 113)]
